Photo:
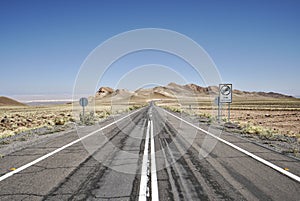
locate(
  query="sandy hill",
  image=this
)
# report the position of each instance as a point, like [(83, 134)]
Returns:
[(174, 91), (4, 101)]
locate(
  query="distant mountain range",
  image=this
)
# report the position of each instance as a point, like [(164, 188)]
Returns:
[(173, 91)]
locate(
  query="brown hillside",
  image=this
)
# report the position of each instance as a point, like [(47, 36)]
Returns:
[(4, 101), (173, 91)]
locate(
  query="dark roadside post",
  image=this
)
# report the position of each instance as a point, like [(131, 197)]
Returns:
[(83, 102), (217, 103)]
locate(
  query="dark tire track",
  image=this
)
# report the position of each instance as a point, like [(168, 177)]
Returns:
[(97, 169)]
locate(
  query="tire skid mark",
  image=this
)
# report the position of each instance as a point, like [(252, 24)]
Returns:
[(97, 171)]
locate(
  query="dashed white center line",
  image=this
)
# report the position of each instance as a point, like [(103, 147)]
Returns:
[(154, 185), (144, 188), (145, 165)]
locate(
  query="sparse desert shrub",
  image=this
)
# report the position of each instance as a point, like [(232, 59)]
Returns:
[(178, 110), (225, 119), (88, 118), (251, 129), (6, 133), (174, 109), (4, 142), (107, 113), (102, 114), (59, 121), (261, 132), (50, 123), (21, 129), (134, 107), (294, 151), (205, 115), (210, 118), (71, 119)]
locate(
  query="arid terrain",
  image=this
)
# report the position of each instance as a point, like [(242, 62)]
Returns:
[(281, 116), (277, 112), (17, 118), (268, 116)]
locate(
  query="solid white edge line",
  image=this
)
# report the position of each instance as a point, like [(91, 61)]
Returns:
[(154, 185), (267, 163), (9, 174), (144, 177)]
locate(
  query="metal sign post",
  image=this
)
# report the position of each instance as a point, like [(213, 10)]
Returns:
[(83, 102), (217, 102), (228, 112), (219, 110), (225, 94)]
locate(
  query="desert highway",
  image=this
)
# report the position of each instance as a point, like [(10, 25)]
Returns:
[(148, 154)]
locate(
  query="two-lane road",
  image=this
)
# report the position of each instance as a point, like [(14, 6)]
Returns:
[(149, 154)]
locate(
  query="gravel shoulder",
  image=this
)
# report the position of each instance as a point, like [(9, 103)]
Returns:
[(284, 144)]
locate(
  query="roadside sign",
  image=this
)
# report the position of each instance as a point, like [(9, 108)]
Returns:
[(225, 93), (83, 101)]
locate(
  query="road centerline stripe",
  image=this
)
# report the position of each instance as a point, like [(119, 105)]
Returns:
[(145, 164), (154, 185), (265, 162), (9, 174), (149, 168)]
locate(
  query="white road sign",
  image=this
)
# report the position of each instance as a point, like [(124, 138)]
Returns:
[(225, 93)]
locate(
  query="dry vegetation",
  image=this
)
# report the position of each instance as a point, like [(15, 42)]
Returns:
[(270, 121), (254, 116), (273, 121), (15, 120)]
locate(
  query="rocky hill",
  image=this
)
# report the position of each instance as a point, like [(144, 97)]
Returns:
[(5, 101), (173, 91)]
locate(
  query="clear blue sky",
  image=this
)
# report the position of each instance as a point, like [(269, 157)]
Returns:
[(255, 44)]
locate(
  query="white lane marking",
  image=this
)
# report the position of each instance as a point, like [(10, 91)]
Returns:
[(267, 163), (61, 148), (154, 185), (144, 188), (145, 165)]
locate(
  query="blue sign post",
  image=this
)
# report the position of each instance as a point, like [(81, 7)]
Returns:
[(83, 102)]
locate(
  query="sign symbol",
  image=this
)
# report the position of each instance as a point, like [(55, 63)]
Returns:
[(83, 101), (225, 96), (225, 93), (225, 90)]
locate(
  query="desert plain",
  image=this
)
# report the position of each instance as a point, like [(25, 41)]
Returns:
[(267, 118)]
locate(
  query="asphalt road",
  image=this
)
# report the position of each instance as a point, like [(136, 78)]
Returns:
[(149, 154)]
